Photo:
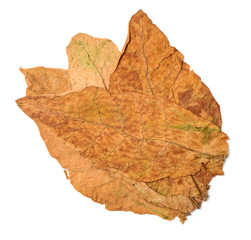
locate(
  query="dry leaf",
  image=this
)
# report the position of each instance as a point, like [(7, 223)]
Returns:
[(119, 132), (130, 147), (111, 187), (149, 65), (91, 61), (46, 81), (108, 129)]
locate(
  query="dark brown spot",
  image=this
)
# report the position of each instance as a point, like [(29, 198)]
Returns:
[(180, 181), (196, 109), (185, 97)]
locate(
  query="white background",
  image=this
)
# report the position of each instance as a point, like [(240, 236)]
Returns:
[(36, 200)]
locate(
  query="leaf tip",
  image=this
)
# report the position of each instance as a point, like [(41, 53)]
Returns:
[(140, 12), (20, 102)]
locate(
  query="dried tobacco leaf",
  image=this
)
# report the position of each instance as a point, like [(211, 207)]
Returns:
[(149, 65), (46, 81), (91, 61), (108, 129), (129, 147)]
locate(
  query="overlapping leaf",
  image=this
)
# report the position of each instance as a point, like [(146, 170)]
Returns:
[(149, 65), (148, 143), (91, 61)]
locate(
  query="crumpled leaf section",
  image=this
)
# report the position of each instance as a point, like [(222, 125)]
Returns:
[(136, 131)]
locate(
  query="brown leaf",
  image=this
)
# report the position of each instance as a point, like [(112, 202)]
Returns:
[(97, 184), (46, 81), (149, 65), (116, 132), (91, 61), (131, 147), (110, 187), (109, 129)]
